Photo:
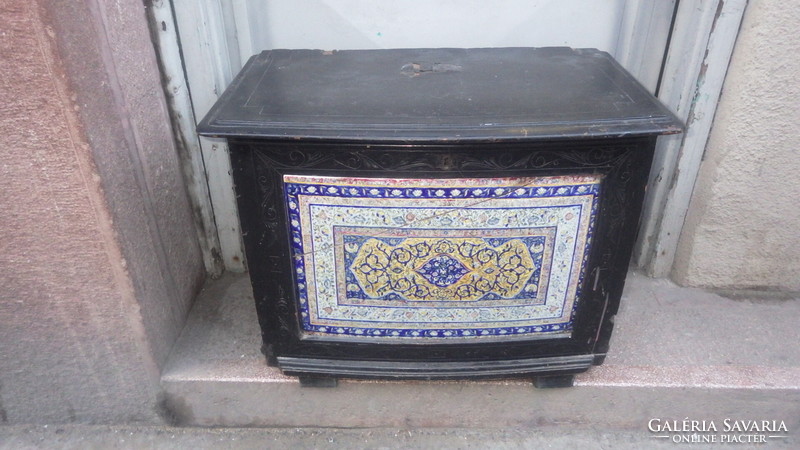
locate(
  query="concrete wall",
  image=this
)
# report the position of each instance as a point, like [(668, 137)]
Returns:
[(98, 253), (742, 227)]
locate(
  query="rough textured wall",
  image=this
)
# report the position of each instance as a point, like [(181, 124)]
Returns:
[(109, 59), (97, 254), (742, 226)]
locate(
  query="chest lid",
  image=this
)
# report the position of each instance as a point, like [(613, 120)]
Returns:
[(436, 95)]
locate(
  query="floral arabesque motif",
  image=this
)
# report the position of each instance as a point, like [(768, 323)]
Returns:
[(434, 269), (442, 270)]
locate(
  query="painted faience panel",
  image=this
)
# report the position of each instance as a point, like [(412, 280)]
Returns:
[(439, 258)]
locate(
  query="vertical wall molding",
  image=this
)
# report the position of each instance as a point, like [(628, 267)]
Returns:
[(177, 93), (206, 40), (697, 61), (643, 38)]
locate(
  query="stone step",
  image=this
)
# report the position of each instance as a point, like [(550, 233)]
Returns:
[(676, 353), (80, 437)]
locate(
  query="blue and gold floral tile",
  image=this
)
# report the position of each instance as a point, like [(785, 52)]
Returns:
[(440, 259)]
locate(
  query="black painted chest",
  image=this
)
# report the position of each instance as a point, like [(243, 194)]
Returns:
[(438, 213)]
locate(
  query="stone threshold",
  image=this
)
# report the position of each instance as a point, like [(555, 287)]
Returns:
[(675, 352)]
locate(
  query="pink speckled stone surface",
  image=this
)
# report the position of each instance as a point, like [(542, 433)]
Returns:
[(674, 352), (97, 251)]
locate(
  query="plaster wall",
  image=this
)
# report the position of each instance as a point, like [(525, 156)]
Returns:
[(98, 257), (741, 230)]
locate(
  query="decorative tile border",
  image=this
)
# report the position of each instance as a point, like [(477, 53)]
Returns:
[(365, 263)]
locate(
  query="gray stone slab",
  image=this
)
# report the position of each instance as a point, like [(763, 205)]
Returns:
[(675, 353), (139, 437)]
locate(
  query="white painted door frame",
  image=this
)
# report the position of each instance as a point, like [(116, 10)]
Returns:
[(643, 39), (207, 39), (703, 35), (697, 61), (184, 124)]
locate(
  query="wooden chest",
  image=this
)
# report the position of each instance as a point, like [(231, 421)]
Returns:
[(438, 213)]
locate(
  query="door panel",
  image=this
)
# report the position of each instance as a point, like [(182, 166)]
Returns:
[(218, 36), (351, 24)]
